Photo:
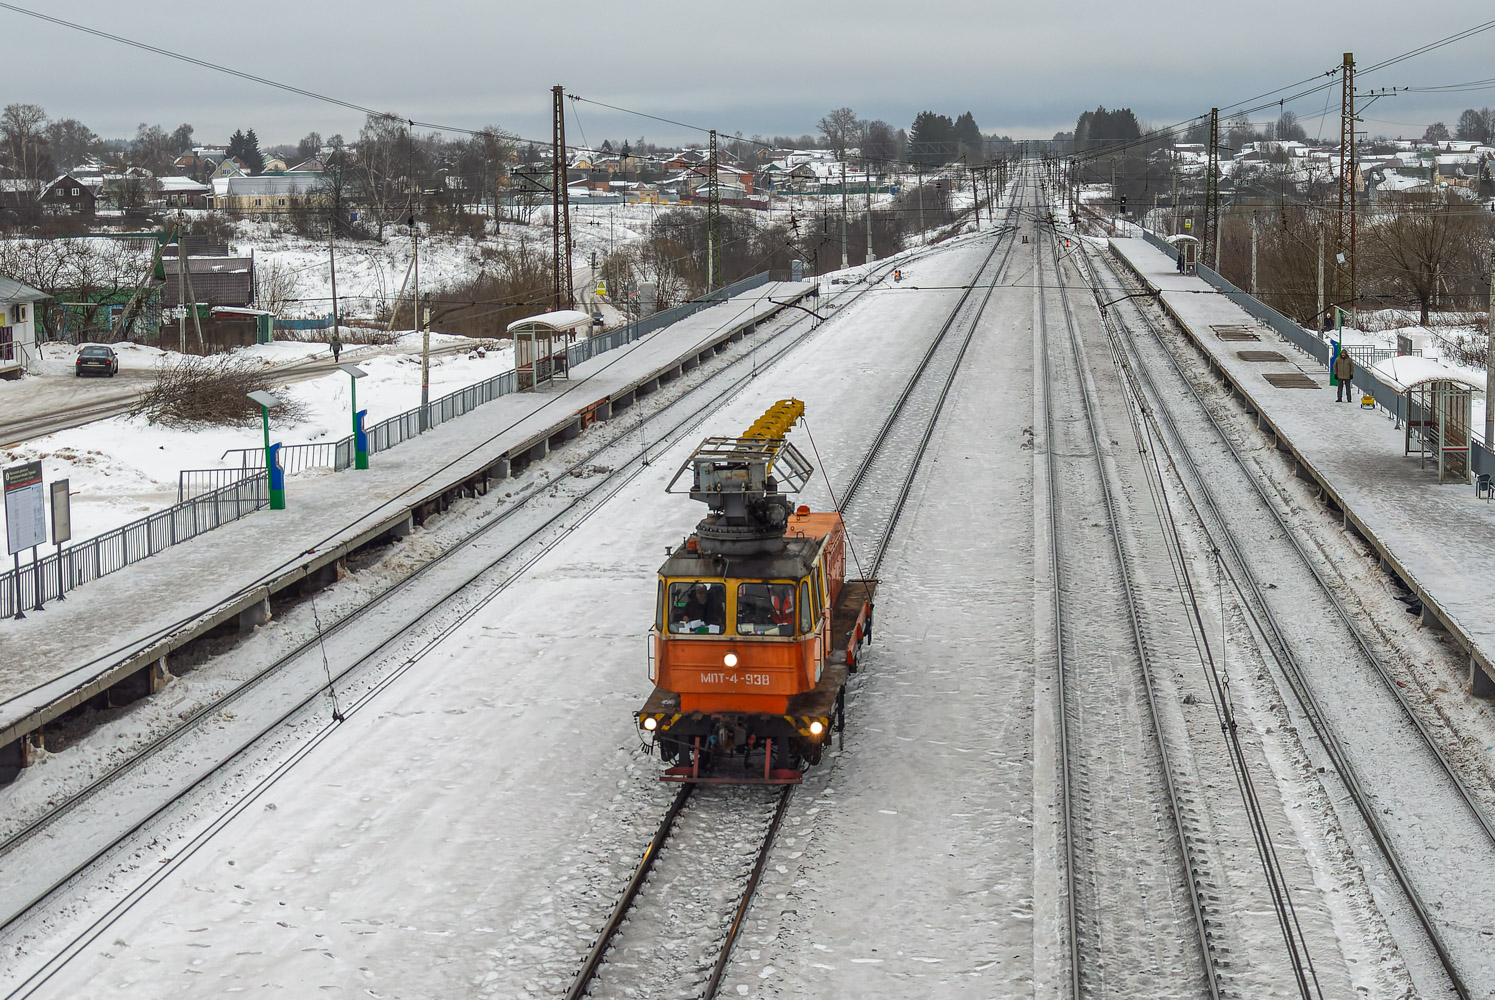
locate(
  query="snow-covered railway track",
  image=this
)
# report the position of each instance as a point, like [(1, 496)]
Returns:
[(676, 921), (1393, 771), (1134, 922), (874, 497), (364, 651), (666, 952)]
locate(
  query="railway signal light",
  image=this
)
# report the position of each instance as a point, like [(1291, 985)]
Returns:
[(1123, 204)]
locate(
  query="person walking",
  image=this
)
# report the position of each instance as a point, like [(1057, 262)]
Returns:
[(1344, 370), (337, 346)]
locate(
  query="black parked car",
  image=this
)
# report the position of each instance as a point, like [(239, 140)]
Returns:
[(96, 360)]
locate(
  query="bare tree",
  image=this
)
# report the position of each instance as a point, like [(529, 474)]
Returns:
[(276, 286), (23, 133), (153, 149), (841, 128), (386, 174), (70, 141), (880, 143), (211, 390), (1423, 242)]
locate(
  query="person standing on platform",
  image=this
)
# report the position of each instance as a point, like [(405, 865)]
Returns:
[(1344, 370)]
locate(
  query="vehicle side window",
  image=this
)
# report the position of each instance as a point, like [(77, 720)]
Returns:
[(698, 606), (659, 608), (806, 623), (765, 609)]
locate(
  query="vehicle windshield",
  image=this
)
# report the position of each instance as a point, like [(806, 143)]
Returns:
[(95, 352), (698, 606), (765, 609)]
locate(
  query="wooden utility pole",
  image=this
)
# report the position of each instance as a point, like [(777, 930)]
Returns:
[(1323, 303), (332, 265), (181, 291), (921, 201), (1253, 253), (867, 172)]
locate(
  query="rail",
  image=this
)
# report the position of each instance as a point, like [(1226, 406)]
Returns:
[(1129, 600), (379, 623), (1297, 673)]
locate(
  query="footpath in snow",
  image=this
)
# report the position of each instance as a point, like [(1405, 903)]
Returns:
[(1437, 537), (74, 646)]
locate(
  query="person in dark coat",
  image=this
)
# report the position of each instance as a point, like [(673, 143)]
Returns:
[(337, 347), (1180, 262), (1344, 370)]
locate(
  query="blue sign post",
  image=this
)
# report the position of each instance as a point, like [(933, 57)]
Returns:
[(360, 441)]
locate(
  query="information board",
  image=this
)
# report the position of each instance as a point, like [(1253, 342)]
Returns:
[(25, 507), (62, 512)]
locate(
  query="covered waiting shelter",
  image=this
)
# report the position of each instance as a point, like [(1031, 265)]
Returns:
[(1188, 248), (1436, 402), (541, 344)]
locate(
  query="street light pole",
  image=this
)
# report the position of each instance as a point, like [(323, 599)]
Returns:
[(274, 484), (360, 442)]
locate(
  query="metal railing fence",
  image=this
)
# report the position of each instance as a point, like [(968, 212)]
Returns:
[(193, 483), (113, 550)]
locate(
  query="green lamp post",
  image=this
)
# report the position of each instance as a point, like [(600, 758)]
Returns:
[(276, 480), (360, 442)]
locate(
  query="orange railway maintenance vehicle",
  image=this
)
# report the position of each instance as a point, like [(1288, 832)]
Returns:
[(756, 628)]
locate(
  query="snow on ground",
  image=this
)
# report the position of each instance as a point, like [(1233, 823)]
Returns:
[(466, 833), (123, 468)]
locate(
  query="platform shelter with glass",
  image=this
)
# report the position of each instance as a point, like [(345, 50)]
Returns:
[(1435, 407), (541, 344)]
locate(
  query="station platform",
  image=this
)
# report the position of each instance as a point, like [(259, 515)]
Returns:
[(1438, 539), (113, 636)]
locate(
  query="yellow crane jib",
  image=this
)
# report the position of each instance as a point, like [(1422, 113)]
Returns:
[(746, 481), (776, 422)]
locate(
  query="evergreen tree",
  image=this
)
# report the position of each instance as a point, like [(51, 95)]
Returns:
[(252, 155), (969, 135), (931, 140)]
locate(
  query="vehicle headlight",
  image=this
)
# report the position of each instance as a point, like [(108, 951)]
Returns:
[(730, 659), (651, 723), (817, 727)]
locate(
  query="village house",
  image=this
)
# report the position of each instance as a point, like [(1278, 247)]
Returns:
[(17, 327), (67, 195), (181, 192), (274, 193)]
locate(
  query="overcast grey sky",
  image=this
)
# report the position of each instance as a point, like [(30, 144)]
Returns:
[(1024, 69)]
